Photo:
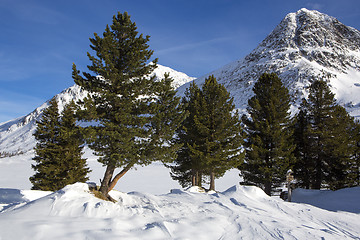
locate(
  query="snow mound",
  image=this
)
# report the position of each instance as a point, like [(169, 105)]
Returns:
[(341, 200), (196, 189), (238, 213)]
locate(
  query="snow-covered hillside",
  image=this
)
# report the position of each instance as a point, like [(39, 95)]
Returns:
[(16, 135), (304, 46), (237, 213)]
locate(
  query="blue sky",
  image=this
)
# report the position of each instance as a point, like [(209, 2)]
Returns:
[(39, 40)]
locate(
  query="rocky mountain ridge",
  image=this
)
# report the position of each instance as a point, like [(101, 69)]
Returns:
[(305, 45)]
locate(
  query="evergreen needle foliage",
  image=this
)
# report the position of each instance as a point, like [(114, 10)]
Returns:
[(268, 142), (58, 150), (324, 134), (211, 135), (135, 116)]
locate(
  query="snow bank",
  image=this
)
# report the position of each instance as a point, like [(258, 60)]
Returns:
[(340, 200), (237, 213), (13, 197)]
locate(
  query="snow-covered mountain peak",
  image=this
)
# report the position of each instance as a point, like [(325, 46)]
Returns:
[(305, 45), (315, 36), (17, 135), (179, 78)]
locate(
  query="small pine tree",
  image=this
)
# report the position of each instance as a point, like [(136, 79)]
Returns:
[(268, 145), (58, 151), (220, 130), (72, 144), (47, 160)]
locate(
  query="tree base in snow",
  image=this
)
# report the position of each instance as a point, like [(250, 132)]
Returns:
[(100, 195)]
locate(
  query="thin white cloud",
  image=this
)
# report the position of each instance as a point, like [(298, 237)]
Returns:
[(189, 46), (315, 6), (30, 11)]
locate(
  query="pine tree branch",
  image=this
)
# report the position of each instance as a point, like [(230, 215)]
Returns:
[(119, 175)]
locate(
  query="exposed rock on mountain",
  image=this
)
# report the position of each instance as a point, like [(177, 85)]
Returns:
[(305, 45)]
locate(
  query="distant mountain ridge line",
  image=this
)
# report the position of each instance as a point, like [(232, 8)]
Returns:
[(17, 135), (302, 47)]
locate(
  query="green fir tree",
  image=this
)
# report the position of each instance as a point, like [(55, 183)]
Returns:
[(212, 133), (125, 102), (71, 142), (329, 140), (268, 143), (58, 150), (354, 173), (303, 168), (187, 170)]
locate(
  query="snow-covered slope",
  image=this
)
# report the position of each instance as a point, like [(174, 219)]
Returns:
[(179, 77), (238, 213), (16, 135), (304, 46)]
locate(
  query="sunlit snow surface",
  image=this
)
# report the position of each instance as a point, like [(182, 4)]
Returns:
[(237, 213), (153, 206), (155, 211)]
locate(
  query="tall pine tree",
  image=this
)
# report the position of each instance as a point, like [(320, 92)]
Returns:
[(167, 116), (354, 174), (187, 170), (268, 144), (58, 150), (327, 135), (303, 168), (125, 101), (212, 133)]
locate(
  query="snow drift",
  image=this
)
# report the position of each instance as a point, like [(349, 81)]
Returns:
[(239, 213)]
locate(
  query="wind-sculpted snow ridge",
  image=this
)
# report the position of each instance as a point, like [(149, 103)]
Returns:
[(304, 46), (16, 136), (238, 213)]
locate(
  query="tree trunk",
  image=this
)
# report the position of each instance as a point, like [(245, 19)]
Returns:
[(212, 181), (318, 174), (107, 184), (119, 175), (198, 179), (267, 186), (107, 180), (193, 179)]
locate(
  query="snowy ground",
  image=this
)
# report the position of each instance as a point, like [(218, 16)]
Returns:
[(155, 178), (155, 211)]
